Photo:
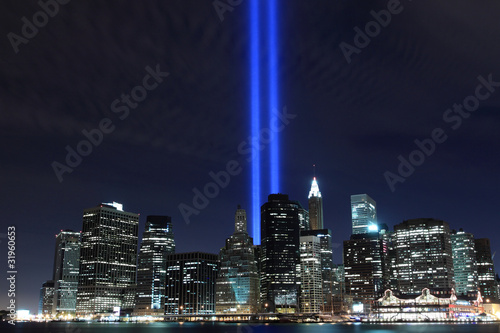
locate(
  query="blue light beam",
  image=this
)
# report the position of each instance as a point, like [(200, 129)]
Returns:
[(274, 154), (255, 111)]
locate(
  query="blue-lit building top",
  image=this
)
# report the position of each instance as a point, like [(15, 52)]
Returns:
[(364, 214), (237, 287)]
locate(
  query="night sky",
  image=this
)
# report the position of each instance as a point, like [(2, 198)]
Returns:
[(353, 119)]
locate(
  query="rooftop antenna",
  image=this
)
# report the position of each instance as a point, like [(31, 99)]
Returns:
[(314, 170)]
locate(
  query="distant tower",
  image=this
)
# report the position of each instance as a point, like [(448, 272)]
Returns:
[(364, 214), (237, 287), (464, 262), (157, 243), (315, 206), (108, 260)]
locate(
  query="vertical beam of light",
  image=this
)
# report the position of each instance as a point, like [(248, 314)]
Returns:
[(274, 155), (255, 111)]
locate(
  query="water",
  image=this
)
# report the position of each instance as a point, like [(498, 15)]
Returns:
[(62, 327)]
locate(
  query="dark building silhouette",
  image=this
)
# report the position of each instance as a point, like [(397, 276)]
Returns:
[(485, 270), (365, 266), (190, 283), (280, 260)]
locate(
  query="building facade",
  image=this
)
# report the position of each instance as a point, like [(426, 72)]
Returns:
[(280, 258), (329, 280), (363, 214), (423, 255), (190, 283), (464, 262), (46, 302), (237, 287), (157, 242), (485, 270), (364, 267), (108, 261), (311, 293), (66, 271), (315, 206)]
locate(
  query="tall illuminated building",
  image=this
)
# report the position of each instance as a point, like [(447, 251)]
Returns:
[(311, 293), (108, 259), (66, 270), (364, 214), (328, 277), (423, 255), (464, 262), (157, 243), (485, 270), (280, 260), (237, 287), (315, 206), (190, 283)]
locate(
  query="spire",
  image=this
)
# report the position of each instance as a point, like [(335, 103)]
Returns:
[(314, 192), (240, 220)]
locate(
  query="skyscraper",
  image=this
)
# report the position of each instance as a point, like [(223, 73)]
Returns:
[(280, 260), (327, 276), (364, 266), (311, 295), (108, 259), (464, 262), (237, 288), (315, 206), (423, 255), (46, 303), (157, 243), (66, 269), (190, 283), (364, 214), (485, 270)]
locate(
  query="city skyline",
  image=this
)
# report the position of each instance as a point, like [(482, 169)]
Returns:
[(311, 235), (64, 91)]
